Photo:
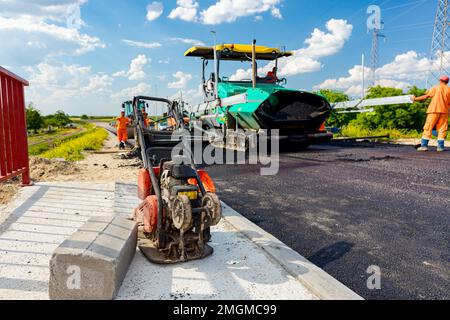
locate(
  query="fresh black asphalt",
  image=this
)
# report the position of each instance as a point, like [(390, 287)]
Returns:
[(349, 206)]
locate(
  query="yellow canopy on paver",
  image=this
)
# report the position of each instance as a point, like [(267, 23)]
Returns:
[(237, 52)]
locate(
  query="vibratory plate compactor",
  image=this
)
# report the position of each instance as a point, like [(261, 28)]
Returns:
[(179, 202)]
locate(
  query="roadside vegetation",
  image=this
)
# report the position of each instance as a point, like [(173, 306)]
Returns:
[(61, 136), (104, 119), (58, 139), (71, 149), (402, 121)]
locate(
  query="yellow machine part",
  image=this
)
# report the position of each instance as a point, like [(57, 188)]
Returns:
[(239, 52)]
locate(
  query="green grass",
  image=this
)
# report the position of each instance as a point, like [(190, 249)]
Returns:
[(38, 149), (353, 131), (106, 120), (45, 136), (71, 149)]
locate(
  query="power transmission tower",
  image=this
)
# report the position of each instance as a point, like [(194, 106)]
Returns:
[(376, 35), (440, 47)]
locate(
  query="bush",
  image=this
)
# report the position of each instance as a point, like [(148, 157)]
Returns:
[(336, 119), (406, 117), (352, 130)]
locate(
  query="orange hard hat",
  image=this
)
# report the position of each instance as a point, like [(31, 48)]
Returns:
[(445, 79)]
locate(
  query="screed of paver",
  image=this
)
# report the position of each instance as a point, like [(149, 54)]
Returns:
[(237, 270), (33, 226)]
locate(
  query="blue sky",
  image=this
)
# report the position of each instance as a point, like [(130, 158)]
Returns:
[(115, 49)]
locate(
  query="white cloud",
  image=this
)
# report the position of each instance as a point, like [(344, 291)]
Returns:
[(182, 80), (53, 85), (186, 10), (242, 74), (319, 45), (404, 71), (128, 93), (56, 10), (29, 26), (154, 10), (307, 59), (275, 12), (45, 22), (98, 83), (225, 10), (36, 44), (231, 10), (58, 75), (194, 95), (145, 45), (192, 42), (164, 61), (406, 66), (136, 71), (191, 96)]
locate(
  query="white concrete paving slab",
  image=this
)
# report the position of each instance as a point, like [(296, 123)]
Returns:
[(45, 215), (33, 226)]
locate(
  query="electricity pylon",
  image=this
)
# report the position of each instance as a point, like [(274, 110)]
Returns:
[(440, 47), (376, 35)]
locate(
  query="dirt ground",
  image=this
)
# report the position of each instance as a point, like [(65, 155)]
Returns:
[(104, 166)]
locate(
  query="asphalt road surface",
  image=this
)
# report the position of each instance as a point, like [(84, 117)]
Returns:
[(349, 206)]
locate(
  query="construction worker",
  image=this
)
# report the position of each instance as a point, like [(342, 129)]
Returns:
[(147, 120), (437, 114), (122, 133), (171, 122), (272, 76)]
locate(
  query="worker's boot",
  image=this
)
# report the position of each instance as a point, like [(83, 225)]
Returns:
[(441, 146), (122, 146), (424, 146)]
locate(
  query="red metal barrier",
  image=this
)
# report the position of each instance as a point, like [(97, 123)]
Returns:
[(13, 128)]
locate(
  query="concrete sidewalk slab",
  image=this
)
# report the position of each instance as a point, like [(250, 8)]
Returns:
[(35, 224)]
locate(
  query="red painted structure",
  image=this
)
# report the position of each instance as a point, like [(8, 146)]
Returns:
[(13, 128)]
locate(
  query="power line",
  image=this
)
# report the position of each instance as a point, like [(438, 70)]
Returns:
[(406, 5)]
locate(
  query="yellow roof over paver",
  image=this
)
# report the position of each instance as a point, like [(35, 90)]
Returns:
[(239, 52)]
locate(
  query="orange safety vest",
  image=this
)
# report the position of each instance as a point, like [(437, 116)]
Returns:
[(122, 123), (171, 122), (148, 122), (441, 99), (271, 77)]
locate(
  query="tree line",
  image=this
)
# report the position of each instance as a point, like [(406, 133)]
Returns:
[(36, 121), (403, 116)]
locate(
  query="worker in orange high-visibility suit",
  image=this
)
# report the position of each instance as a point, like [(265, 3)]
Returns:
[(147, 120), (437, 114), (122, 133), (171, 122), (272, 76)]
